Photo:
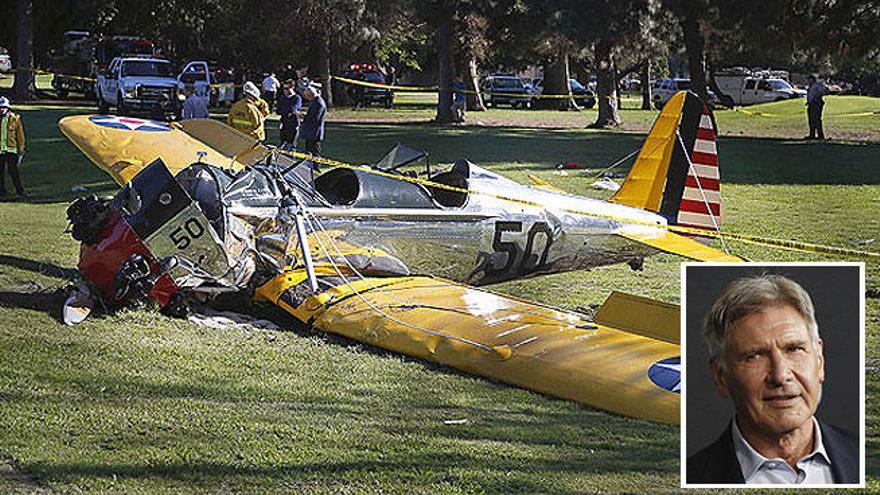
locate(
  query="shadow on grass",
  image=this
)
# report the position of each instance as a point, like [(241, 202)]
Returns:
[(41, 267), (32, 295), (46, 302), (744, 160), (53, 166)]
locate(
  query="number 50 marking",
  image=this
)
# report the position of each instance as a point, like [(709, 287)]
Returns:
[(529, 261), (182, 236)]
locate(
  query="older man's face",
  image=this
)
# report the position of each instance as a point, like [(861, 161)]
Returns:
[(774, 374)]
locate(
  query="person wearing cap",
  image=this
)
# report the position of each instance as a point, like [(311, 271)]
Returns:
[(312, 128), (11, 146), (248, 114)]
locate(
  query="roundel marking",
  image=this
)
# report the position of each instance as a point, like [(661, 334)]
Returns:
[(666, 374), (129, 123)]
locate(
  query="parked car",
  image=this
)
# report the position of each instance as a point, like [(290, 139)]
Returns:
[(508, 90), (664, 89), (583, 95), (136, 84), (365, 95)]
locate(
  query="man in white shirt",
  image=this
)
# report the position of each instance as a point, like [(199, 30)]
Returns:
[(270, 89), (766, 355), (194, 106)]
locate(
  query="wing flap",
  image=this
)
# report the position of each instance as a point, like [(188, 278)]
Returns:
[(641, 316), (535, 347), (671, 242)]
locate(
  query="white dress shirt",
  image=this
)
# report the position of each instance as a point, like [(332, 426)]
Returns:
[(812, 469), (271, 83)]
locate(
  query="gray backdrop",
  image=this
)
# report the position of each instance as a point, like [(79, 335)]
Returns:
[(835, 294)]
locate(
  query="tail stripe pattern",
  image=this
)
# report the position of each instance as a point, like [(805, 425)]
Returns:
[(694, 210)]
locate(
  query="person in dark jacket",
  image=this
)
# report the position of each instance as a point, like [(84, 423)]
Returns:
[(312, 128), (289, 106), (766, 355)]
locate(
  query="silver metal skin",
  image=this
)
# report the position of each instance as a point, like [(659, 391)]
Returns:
[(234, 232), (490, 240)]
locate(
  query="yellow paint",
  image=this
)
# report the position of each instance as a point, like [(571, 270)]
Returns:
[(682, 246), (643, 187), (124, 153), (536, 347), (641, 316)]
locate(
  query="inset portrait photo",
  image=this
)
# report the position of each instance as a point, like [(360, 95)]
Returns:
[(773, 384)]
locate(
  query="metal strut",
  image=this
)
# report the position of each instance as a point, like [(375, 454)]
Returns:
[(299, 219)]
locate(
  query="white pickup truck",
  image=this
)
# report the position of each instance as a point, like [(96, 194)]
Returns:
[(135, 84), (209, 81), (753, 90)]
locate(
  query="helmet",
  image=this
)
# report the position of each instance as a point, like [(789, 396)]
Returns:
[(4, 102), (251, 89)]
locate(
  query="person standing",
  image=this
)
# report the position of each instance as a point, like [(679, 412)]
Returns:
[(459, 100), (815, 105), (312, 129), (248, 114), (270, 89), (11, 146), (194, 106), (289, 106)]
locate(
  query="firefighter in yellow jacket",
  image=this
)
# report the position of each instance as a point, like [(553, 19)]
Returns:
[(248, 113), (11, 146)]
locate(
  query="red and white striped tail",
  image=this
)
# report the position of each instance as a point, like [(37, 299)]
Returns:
[(701, 201)]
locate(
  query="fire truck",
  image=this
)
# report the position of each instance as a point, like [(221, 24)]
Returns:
[(84, 55)]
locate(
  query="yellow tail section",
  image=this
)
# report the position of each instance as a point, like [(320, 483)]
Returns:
[(643, 187)]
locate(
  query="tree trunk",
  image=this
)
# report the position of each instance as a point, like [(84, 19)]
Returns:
[(319, 68), (695, 47), (444, 57), (474, 101), (609, 116), (340, 95), (24, 88), (646, 85), (556, 76)]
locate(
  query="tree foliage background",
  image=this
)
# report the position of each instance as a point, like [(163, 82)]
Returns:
[(430, 41)]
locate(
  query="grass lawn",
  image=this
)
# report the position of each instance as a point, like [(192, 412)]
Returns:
[(139, 403)]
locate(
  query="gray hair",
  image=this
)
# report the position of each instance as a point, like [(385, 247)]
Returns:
[(749, 295)]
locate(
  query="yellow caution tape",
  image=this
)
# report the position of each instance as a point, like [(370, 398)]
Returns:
[(46, 72), (747, 238), (826, 115), (423, 89), (384, 86)]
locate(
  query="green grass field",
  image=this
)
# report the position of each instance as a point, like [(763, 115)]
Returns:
[(139, 403)]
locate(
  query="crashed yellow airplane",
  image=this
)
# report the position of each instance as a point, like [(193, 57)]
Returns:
[(391, 258)]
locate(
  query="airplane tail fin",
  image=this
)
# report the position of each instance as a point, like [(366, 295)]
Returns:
[(676, 172)]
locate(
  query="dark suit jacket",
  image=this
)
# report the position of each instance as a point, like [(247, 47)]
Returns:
[(717, 463)]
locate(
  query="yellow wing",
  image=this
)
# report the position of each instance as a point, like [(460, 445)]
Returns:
[(123, 146), (615, 365), (671, 242)]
